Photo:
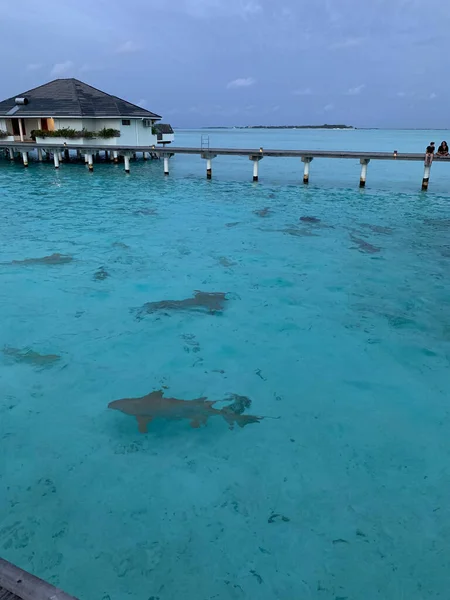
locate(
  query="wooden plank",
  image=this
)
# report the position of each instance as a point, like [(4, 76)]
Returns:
[(26, 586), (5, 595)]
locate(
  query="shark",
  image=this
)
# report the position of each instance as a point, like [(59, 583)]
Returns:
[(31, 357), (53, 259), (155, 406), (364, 246), (211, 302), (101, 274)]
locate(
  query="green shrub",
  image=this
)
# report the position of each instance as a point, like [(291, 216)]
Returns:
[(65, 132), (88, 135), (107, 133)]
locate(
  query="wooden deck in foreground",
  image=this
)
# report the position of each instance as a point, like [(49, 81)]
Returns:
[(16, 584)]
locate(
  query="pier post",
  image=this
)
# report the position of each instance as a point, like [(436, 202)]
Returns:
[(115, 156), (39, 154), (166, 164), (362, 180), (25, 159), (66, 154), (56, 159), (208, 157), (78, 154), (307, 161), (255, 158), (145, 155), (60, 156), (11, 153), (90, 161), (126, 159), (86, 159), (426, 177)]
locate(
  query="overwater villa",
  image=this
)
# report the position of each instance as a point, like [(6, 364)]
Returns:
[(68, 112)]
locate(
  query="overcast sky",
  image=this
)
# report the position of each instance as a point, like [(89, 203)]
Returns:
[(368, 63)]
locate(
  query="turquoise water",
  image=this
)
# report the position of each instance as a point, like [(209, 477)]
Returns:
[(339, 327)]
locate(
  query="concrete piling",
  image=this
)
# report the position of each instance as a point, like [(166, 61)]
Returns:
[(364, 163), (306, 160), (208, 157), (25, 159), (208, 168), (90, 162), (56, 159), (255, 158), (426, 177), (126, 160), (39, 154), (166, 165)]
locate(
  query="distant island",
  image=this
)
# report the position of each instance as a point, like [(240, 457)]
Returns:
[(325, 126)]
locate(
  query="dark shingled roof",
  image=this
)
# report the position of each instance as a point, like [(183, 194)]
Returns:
[(163, 128), (71, 98)]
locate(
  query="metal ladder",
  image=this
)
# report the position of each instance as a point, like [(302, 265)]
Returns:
[(204, 142)]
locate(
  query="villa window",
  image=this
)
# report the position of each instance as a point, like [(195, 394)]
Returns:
[(126, 122)]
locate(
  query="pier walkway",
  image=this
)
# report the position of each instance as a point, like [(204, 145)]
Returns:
[(255, 155), (16, 584)]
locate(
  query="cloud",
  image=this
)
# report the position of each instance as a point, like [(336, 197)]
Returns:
[(355, 91), (433, 96), (328, 107), (128, 47), (142, 103), (350, 42), (34, 66), (241, 82), (61, 68), (305, 92)]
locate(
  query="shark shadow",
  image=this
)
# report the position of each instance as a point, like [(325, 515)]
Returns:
[(210, 302), (198, 411)]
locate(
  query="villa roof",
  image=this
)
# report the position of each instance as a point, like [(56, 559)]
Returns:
[(163, 128), (71, 98)]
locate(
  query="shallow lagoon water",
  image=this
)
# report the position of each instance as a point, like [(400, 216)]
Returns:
[(346, 494)]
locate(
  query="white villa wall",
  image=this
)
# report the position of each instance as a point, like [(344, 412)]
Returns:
[(3, 125), (136, 134), (131, 135)]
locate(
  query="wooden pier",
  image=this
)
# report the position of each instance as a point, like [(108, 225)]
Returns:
[(255, 155), (16, 584)]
